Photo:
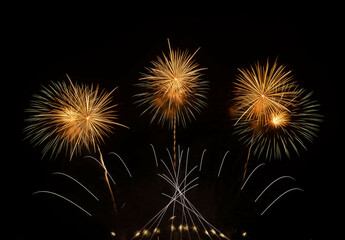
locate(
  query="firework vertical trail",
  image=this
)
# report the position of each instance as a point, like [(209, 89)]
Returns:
[(107, 180), (246, 164), (100, 164), (73, 117), (174, 142)]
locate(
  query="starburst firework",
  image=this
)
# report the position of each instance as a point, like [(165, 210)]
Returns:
[(263, 90), (70, 117), (173, 88), (284, 130), (273, 114)]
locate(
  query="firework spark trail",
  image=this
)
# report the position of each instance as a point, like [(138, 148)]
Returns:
[(178, 178), (107, 180), (246, 164), (56, 194), (70, 177), (244, 184), (154, 153), (162, 212), (104, 168), (221, 165), (202, 158), (192, 209), (287, 191), (124, 164), (269, 185)]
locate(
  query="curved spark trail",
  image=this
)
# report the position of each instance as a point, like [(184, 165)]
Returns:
[(221, 165), (251, 174), (292, 189), (154, 153), (53, 193), (277, 179), (202, 157), (124, 164), (75, 180)]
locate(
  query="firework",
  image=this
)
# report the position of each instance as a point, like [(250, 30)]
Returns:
[(173, 88), (284, 130), (263, 90), (272, 113), (70, 117)]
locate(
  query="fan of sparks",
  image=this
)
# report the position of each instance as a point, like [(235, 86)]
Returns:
[(273, 114), (187, 221), (173, 88), (70, 117)]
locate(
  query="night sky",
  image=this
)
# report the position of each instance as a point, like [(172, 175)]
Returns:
[(111, 47)]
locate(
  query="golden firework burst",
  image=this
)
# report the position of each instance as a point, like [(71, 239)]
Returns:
[(173, 88), (70, 117), (285, 130), (279, 119), (263, 90)]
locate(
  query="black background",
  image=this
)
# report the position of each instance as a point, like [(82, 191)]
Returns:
[(110, 46)]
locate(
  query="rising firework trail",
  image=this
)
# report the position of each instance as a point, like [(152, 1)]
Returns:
[(173, 90), (273, 114), (259, 92), (72, 117)]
